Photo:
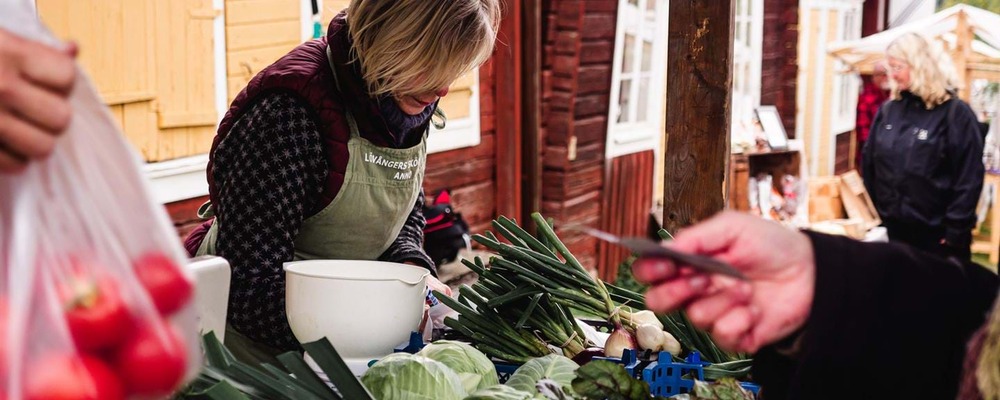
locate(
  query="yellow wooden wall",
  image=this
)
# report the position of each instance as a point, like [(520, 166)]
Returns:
[(331, 8), (152, 63), (811, 53), (258, 32)]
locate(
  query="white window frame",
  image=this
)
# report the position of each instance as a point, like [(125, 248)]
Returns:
[(184, 178), (306, 19), (747, 60), (631, 137), (459, 132), (846, 84)]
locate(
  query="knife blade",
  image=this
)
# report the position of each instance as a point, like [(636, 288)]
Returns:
[(648, 248)]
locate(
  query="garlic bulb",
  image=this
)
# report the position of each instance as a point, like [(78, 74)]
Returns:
[(619, 340), (646, 317), (670, 344), (649, 337)]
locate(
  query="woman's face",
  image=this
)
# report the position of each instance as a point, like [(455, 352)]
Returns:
[(899, 70), (415, 104)]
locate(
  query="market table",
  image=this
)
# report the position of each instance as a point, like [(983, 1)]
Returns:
[(992, 246)]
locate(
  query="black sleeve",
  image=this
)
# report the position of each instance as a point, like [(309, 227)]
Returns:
[(868, 154), (270, 169), (409, 245), (965, 153), (887, 321)]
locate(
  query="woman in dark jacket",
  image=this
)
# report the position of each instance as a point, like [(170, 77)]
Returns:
[(322, 155), (922, 163)]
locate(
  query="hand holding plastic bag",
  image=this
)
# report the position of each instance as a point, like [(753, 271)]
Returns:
[(93, 299)]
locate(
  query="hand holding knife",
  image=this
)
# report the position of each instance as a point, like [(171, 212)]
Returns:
[(648, 248)]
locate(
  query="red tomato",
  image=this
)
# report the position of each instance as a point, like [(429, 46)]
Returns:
[(95, 313), (163, 279), (72, 377), (152, 360)]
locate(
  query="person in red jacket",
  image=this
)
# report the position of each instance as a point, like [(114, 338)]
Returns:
[(874, 92), (322, 155), (833, 318)]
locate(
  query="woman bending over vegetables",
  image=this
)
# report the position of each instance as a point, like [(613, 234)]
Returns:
[(322, 155)]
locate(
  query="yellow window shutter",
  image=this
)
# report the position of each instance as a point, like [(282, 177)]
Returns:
[(115, 40), (186, 63)]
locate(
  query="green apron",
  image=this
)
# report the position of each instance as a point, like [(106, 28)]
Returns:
[(380, 189)]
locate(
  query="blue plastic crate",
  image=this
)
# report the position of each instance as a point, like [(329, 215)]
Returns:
[(633, 365), (504, 370), (667, 377)]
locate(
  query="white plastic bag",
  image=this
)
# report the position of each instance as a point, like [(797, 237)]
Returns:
[(94, 302)]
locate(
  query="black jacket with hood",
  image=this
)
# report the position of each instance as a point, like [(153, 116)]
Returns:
[(924, 167)]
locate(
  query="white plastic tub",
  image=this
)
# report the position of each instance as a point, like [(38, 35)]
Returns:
[(365, 308)]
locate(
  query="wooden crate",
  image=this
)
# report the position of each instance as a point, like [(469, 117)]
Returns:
[(857, 202), (824, 199)]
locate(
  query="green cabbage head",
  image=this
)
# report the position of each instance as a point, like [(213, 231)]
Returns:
[(500, 392), (555, 367), (473, 367), (402, 376)]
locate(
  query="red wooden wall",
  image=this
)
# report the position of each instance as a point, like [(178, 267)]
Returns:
[(628, 198), (577, 57), (779, 69)]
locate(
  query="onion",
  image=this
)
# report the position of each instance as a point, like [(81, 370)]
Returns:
[(649, 337), (646, 317), (619, 340), (670, 344)]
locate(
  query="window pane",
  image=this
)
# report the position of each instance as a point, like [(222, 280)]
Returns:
[(628, 63), (643, 101), (647, 55), (624, 100)]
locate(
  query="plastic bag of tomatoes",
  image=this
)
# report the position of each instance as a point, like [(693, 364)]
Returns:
[(94, 299)]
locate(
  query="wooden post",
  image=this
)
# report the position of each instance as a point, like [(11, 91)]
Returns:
[(963, 51), (699, 85), (531, 198), (507, 59)]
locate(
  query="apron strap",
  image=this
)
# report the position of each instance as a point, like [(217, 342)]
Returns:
[(350, 117), (206, 211), (442, 119)]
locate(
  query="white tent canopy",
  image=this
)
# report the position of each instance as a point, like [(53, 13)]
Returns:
[(946, 25)]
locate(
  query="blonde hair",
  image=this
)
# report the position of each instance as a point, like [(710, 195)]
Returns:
[(932, 74), (408, 47)]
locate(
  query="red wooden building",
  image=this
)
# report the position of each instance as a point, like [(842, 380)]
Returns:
[(571, 116)]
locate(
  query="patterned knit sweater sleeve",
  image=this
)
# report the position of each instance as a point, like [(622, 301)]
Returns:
[(270, 170)]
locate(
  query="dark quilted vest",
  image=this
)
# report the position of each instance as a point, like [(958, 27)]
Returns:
[(306, 72)]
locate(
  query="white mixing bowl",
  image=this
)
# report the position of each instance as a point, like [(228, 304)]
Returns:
[(365, 308)]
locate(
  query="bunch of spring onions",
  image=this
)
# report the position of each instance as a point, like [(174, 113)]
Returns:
[(523, 303)]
